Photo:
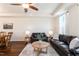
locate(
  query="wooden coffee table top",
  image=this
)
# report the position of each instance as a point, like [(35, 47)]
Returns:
[(40, 44)]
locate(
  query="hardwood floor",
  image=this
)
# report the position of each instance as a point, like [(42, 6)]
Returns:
[(15, 49)]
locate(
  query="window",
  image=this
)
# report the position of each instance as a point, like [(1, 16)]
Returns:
[(62, 24)]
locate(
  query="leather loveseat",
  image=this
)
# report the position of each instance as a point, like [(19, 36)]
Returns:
[(62, 45), (39, 36)]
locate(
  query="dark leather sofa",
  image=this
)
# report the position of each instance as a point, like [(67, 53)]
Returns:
[(39, 36), (75, 51), (62, 45)]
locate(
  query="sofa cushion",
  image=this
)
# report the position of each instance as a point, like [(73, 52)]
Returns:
[(66, 38), (64, 46), (43, 34), (34, 35), (74, 43), (59, 42), (77, 50), (60, 47), (61, 37)]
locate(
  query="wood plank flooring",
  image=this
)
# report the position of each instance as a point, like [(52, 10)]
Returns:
[(15, 49)]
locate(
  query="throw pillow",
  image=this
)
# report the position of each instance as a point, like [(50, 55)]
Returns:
[(74, 43)]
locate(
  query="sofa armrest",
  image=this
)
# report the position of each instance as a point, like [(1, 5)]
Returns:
[(75, 51)]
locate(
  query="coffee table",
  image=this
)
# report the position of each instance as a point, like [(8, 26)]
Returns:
[(39, 45)]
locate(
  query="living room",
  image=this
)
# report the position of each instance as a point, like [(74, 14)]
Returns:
[(49, 21)]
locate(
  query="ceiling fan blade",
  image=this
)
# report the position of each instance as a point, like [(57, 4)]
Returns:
[(25, 10), (16, 4), (32, 7), (29, 3)]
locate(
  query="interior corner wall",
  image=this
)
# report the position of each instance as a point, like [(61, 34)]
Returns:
[(55, 27), (22, 24), (72, 18)]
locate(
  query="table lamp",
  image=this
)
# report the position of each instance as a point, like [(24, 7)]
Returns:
[(50, 33), (27, 33), (27, 38)]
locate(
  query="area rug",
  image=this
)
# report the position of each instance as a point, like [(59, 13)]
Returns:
[(29, 51)]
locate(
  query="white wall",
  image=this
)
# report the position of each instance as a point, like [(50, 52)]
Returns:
[(72, 27), (21, 24), (55, 27), (72, 22)]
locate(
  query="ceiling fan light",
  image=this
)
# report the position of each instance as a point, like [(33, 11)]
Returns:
[(25, 5)]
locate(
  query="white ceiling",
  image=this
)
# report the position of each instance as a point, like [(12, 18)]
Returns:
[(45, 9)]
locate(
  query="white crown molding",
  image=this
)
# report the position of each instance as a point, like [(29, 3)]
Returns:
[(21, 15)]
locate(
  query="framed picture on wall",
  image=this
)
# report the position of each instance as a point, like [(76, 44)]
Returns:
[(8, 26)]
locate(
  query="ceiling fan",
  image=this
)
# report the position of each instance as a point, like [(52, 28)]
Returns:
[(26, 6)]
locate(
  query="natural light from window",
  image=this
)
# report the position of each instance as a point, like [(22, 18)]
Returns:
[(62, 24)]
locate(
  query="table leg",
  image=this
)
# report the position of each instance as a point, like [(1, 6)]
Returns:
[(46, 49), (38, 51)]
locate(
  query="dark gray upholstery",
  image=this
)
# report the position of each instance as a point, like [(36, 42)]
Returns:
[(39, 36), (62, 45), (77, 50)]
